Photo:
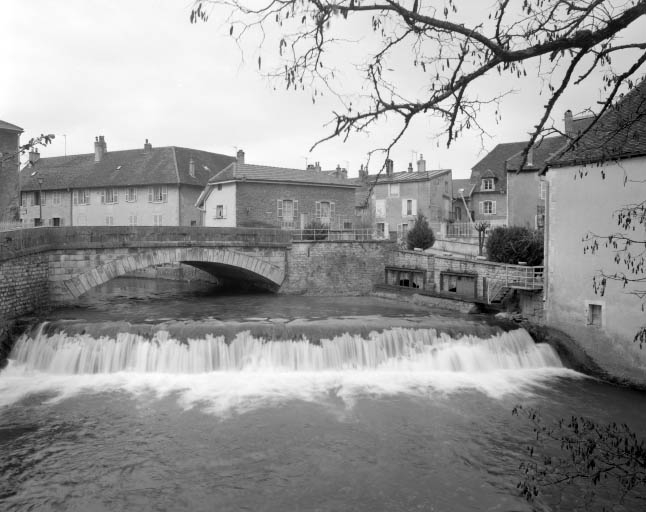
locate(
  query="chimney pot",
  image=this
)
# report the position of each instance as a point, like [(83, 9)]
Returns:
[(148, 147), (568, 123), (389, 167), (240, 156), (34, 156), (410, 166)]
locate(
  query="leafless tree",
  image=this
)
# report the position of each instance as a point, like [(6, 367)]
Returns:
[(438, 46)]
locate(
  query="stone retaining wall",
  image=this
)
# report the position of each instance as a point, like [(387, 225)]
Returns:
[(335, 268)]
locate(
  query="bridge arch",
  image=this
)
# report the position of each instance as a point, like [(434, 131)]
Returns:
[(221, 262)]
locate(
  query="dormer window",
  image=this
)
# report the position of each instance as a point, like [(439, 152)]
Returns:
[(488, 184)]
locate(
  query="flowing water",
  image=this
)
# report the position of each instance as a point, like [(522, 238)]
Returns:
[(153, 395)]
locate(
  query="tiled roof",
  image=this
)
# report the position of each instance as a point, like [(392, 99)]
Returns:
[(403, 177), (619, 133), (10, 127), (162, 166), (493, 165), (237, 171), (543, 150), (464, 184)]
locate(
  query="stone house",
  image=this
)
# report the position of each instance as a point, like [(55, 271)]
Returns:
[(489, 179), (397, 198), (136, 187), (9, 168), (588, 186), (462, 204), (245, 195)]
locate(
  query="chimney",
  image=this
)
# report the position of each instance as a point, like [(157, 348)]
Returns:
[(421, 164), (148, 148), (100, 148), (344, 174), (34, 156), (337, 171), (530, 157), (568, 123), (317, 167), (410, 167), (240, 156), (389, 167), (191, 167)]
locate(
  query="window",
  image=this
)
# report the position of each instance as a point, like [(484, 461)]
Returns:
[(488, 207), (220, 211), (219, 186), (287, 209), (393, 190), (131, 194), (446, 187), (81, 196), (55, 197), (24, 199), (193, 223), (35, 198), (109, 220), (595, 314), (158, 194), (56, 222), (132, 220), (542, 191), (347, 224), (409, 207), (325, 211), (402, 230), (488, 184), (109, 196), (458, 214), (157, 220), (380, 208), (381, 229)]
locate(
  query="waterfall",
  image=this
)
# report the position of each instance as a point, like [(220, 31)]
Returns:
[(399, 350)]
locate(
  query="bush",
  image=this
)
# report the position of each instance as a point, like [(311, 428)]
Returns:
[(315, 230), (421, 235), (514, 244)]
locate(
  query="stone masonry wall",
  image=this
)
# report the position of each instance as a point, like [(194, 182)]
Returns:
[(335, 268), (23, 286)]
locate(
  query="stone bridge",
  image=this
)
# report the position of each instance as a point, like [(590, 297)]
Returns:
[(45, 266), (76, 259)]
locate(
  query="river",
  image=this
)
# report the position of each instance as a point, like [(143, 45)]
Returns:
[(160, 395)]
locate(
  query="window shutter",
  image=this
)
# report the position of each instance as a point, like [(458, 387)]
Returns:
[(279, 208), (414, 206), (296, 209), (102, 196), (116, 195), (332, 211), (493, 207), (150, 194), (318, 210), (404, 207), (164, 194), (481, 206), (224, 211), (42, 198)]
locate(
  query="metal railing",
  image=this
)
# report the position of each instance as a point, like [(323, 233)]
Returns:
[(320, 234), (467, 229), (515, 276), (10, 225)]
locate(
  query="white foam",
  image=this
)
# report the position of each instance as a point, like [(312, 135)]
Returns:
[(248, 373)]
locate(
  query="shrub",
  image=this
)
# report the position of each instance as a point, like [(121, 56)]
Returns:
[(514, 244), (315, 230), (421, 235)]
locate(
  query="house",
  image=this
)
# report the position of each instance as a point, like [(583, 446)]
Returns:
[(526, 190), (246, 195), (397, 198), (9, 168), (146, 186), (588, 186), (489, 179)]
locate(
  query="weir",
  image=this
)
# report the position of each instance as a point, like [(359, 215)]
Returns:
[(397, 350)]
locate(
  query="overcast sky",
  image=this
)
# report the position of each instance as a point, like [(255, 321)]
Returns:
[(135, 70)]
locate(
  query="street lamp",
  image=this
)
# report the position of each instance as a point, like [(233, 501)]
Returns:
[(40, 200)]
